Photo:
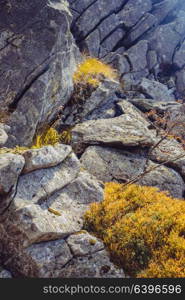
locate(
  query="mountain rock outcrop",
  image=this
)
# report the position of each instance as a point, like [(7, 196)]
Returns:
[(141, 38), (111, 136), (38, 57)]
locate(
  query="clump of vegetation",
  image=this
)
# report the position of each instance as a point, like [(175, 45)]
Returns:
[(143, 228), (4, 116), (91, 71), (48, 137), (66, 136)]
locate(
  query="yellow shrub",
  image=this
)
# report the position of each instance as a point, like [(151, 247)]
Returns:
[(91, 70), (49, 137), (143, 228)]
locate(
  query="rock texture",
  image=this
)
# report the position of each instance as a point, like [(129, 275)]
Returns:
[(145, 37), (45, 192), (38, 57)]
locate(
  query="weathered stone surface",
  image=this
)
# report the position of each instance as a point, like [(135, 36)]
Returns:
[(45, 157), (96, 265), (83, 243), (3, 137), (38, 57), (40, 184), (11, 166), (97, 106), (160, 106), (5, 274), (48, 258), (156, 90), (171, 152), (122, 166), (179, 56), (166, 37), (125, 130), (57, 216), (116, 28), (138, 51)]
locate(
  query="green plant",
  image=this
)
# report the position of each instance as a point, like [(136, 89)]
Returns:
[(143, 228)]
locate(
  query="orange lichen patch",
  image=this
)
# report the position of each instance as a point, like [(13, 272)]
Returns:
[(143, 228)]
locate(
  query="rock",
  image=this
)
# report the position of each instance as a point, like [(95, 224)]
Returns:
[(146, 105), (48, 258), (171, 152), (3, 137), (156, 90), (138, 51), (36, 64), (83, 243), (147, 22), (125, 130), (5, 274), (11, 166), (45, 157), (179, 56), (55, 215), (97, 106), (123, 166), (5, 127), (96, 265), (180, 83)]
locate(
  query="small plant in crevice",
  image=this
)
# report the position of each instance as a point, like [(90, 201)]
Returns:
[(91, 71), (66, 136), (46, 138), (4, 116), (144, 229)]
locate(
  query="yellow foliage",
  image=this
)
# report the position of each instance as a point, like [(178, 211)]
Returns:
[(49, 137), (143, 228), (91, 71)]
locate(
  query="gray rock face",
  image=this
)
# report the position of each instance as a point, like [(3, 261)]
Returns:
[(82, 244), (5, 274), (172, 152), (122, 166), (3, 137), (100, 105), (96, 265), (156, 90), (38, 57), (121, 27), (50, 202), (45, 157), (125, 130), (48, 258), (11, 166), (49, 205)]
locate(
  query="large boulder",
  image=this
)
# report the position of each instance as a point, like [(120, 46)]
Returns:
[(38, 57), (123, 166), (130, 128)]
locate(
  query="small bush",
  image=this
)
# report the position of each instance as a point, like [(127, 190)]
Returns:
[(143, 228), (91, 71), (49, 137)]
